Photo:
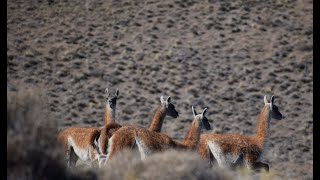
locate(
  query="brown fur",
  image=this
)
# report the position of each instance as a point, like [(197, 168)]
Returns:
[(80, 136), (107, 117), (250, 146), (192, 138), (125, 138), (106, 133), (83, 136), (157, 119), (155, 125)]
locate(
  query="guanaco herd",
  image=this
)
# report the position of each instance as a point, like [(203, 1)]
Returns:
[(91, 144)]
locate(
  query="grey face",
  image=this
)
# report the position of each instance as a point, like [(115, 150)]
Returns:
[(276, 113), (206, 124), (171, 111), (112, 102), (204, 121)]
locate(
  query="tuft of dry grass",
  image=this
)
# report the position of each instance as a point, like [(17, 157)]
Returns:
[(171, 164), (32, 150), (166, 165)]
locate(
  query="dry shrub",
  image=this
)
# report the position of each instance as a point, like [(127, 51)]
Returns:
[(171, 165), (166, 165), (32, 151)]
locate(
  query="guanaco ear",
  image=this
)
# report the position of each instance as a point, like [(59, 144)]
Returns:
[(271, 101), (194, 111), (265, 100), (117, 92), (204, 112), (106, 92), (168, 99), (162, 100)]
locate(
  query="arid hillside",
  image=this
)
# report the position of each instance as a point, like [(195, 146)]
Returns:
[(224, 55)]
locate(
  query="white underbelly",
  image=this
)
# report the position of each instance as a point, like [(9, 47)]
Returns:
[(223, 159), (143, 149), (82, 153)]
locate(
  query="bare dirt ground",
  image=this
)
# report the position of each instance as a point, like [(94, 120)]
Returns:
[(224, 55)]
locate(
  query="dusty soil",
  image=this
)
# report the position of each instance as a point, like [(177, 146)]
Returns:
[(224, 55)]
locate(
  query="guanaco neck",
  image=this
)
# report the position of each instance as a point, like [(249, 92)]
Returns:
[(262, 133), (109, 115), (192, 138), (157, 119)]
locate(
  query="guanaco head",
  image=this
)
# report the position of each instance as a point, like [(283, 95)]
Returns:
[(202, 119), (111, 100), (170, 109), (275, 113)]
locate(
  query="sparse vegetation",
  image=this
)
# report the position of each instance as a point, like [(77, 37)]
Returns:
[(32, 151), (167, 165), (238, 51)]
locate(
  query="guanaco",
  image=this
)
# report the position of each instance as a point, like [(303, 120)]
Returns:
[(230, 149), (149, 142), (83, 142), (165, 108)]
